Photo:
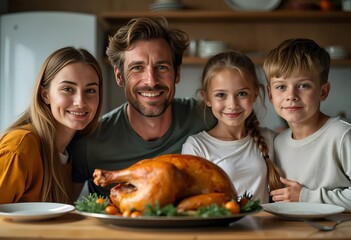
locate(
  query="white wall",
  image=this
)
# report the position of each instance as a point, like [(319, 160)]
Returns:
[(339, 98)]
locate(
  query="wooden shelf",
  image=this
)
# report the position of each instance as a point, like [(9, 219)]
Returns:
[(202, 61), (198, 61), (259, 61), (250, 31), (116, 18)]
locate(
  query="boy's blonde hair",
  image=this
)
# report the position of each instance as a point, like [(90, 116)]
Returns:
[(295, 55)]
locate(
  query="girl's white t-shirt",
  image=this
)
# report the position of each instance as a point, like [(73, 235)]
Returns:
[(241, 160)]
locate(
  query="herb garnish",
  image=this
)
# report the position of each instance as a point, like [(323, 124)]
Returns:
[(93, 203)]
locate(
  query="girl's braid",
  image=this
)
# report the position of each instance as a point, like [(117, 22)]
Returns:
[(252, 126)]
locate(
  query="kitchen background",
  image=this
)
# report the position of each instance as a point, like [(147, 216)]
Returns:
[(213, 25)]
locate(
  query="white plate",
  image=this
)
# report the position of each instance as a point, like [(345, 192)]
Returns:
[(253, 5), (34, 210), (167, 222), (302, 210)]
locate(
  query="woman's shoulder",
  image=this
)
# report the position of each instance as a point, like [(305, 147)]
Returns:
[(20, 150), (23, 137)]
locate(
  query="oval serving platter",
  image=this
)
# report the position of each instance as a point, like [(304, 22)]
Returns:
[(167, 222)]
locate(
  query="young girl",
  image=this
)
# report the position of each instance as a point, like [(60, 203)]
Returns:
[(237, 143), (67, 98)]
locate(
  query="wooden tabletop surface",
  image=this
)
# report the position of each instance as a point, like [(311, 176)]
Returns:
[(262, 225)]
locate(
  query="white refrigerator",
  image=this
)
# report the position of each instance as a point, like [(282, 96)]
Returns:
[(26, 39)]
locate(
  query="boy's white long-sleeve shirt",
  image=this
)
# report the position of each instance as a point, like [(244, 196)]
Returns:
[(321, 162)]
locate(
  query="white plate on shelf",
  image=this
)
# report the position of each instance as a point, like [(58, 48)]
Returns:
[(302, 210), (253, 5), (34, 210)]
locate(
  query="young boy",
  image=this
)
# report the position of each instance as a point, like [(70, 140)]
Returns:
[(315, 151)]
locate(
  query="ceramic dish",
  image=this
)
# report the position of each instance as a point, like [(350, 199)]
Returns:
[(337, 51), (167, 222), (165, 6), (208, 48), (34, 210), (253, 5), (302, 210)]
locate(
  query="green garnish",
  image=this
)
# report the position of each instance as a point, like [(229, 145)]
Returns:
[(251, 205), (156, 210), (93, 204), (212, 210)]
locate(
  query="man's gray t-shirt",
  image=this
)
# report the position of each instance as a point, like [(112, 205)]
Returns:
[(116, 146)]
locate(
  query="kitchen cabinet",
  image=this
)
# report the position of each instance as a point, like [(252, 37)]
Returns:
[(254, 33)]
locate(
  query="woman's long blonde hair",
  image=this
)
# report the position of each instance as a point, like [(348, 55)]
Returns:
[(39, 117), (246, 68)]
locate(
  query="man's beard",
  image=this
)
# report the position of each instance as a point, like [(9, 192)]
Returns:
[(154, 109)]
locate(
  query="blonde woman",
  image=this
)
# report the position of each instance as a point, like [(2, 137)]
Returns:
[(67, 100)]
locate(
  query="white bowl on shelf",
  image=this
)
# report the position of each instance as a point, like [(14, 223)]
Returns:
[(253, 5), (205, 51), (346, 5), (336, 51), (165, 5), (208, 48)]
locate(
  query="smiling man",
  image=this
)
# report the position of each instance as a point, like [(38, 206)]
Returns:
[(149, 79), (146, 56)]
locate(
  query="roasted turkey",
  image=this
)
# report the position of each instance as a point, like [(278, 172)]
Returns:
[(187, 180)]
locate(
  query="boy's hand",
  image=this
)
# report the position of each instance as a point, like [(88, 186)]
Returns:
[(291, 193)]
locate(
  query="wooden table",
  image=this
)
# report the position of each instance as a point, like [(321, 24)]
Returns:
[(258, 226)]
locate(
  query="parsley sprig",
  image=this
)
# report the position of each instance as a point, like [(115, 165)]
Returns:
[(156, 210), (212, 210), (90, 204), (250, 206)]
